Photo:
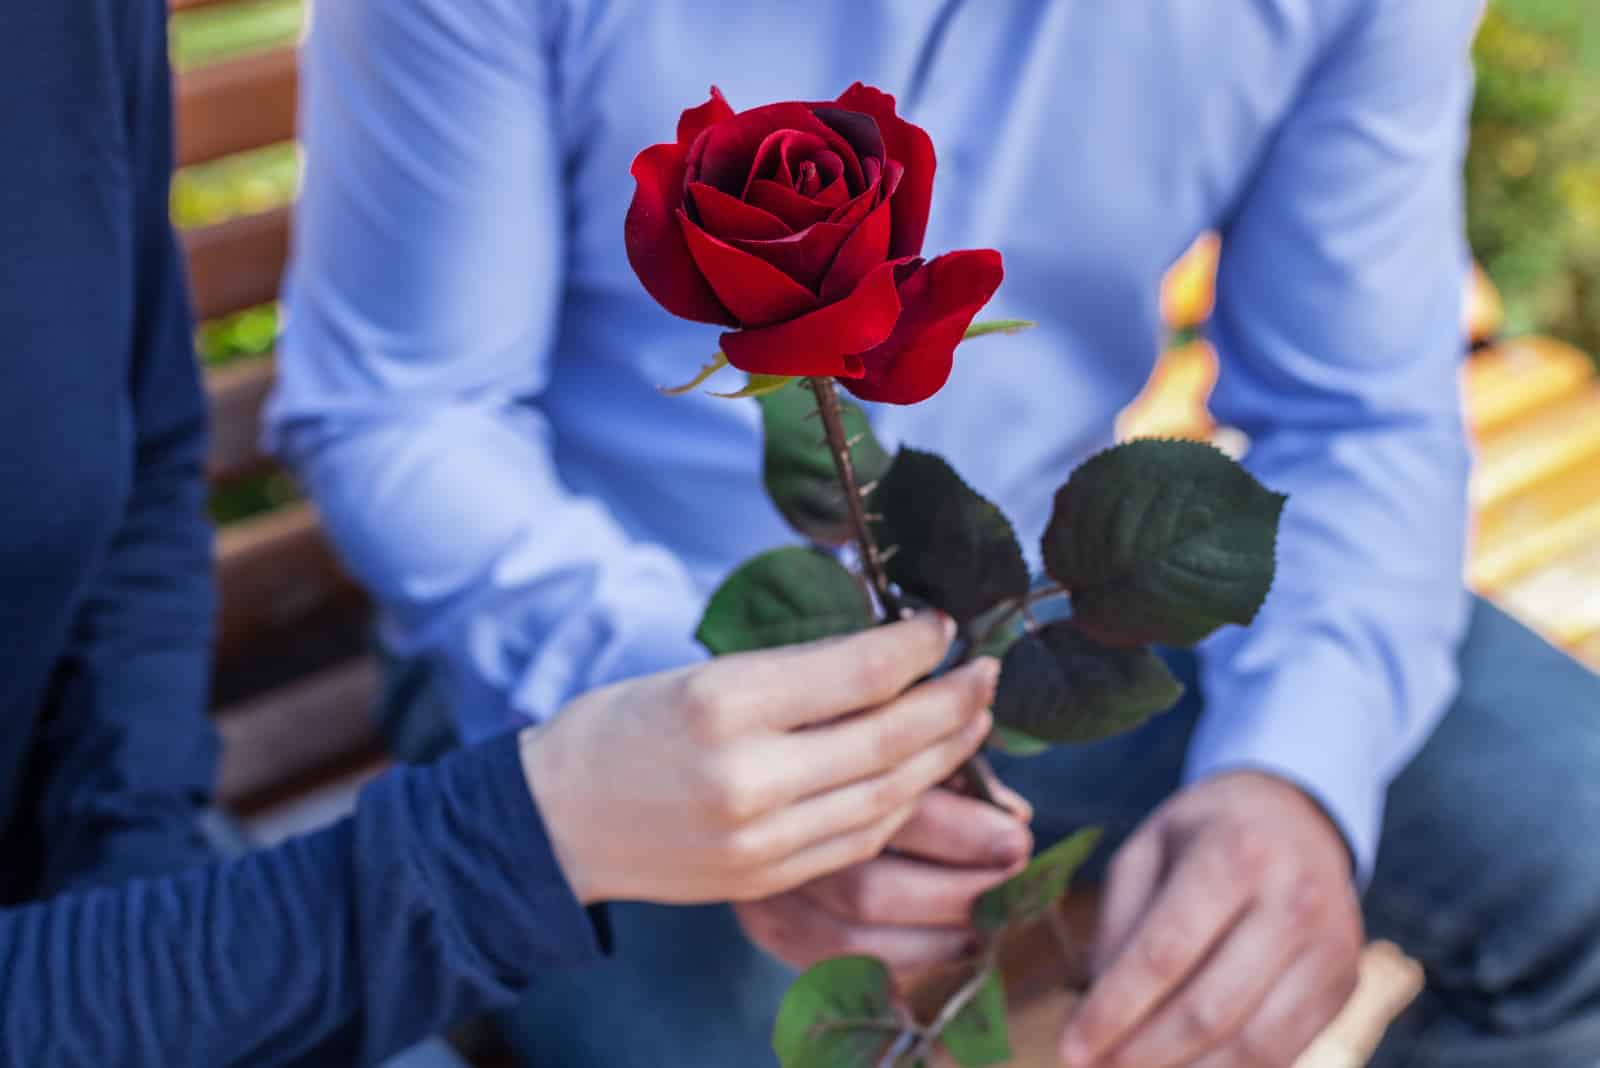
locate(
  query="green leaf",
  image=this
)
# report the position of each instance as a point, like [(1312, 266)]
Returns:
[(758, 386), (976, 1038), (841, 1013), (1037, 887), (797, 467), (998, 326), (711, 367), (1060, 686), (781, 598), (951, 548), (1162, 541), (1015, 743)]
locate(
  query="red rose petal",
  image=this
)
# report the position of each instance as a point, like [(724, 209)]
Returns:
[(833, 194), (757, 293), (780, 154), (806, 256), (859, 129), (796, 210), (728, 217), (940, 299), (856, 211), (695, 120), (866, 247), (723, 154), (822, 343), (909, 146), (656, 247)]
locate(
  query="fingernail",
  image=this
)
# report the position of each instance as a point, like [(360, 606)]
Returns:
[(1008, 848), (948, 625)]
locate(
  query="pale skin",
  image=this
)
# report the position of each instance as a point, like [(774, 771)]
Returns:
[(751, 774), (1229, 937)]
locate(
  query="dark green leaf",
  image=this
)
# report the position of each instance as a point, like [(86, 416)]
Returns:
[(1162, 541), (996, 630), (841, 1013), (1015, 743), (1037, 887), (950, 548), (797, 467), (1060, 686), (976, 1038), (781, 598)]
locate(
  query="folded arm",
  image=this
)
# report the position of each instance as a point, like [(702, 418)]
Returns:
[(425, 296)]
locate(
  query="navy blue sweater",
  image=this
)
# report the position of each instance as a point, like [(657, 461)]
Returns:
[(121, 941)]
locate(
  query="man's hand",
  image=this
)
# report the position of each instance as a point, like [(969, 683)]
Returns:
[(911, 907), (745, 776), (1230, 935)]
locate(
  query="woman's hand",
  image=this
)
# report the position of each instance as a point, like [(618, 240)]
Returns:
[(750, 774)]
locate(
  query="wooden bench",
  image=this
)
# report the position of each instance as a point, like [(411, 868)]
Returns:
[(294, 684)]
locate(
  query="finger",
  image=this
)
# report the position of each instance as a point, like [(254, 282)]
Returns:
[(1131, 885), (815, 683), (825, 833), (1012, 801), (1192, 911), (1299, 1007), (897, 892), (1207, 1012), (963, 832), (876, 742), (799, 933)]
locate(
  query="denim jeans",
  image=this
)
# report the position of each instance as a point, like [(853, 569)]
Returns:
[(1486, 874)]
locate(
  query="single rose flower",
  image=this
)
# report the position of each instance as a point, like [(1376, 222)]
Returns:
[(800, 226)]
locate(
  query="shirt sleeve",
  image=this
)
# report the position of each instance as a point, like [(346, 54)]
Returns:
[(1338, 324), (127, 745), (438, 900), (423, 300)]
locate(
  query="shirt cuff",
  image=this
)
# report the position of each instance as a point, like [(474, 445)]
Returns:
[(1305, 722), (498, 871)]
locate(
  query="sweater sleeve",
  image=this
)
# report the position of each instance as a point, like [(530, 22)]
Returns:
[(438, 899), (130, 753)]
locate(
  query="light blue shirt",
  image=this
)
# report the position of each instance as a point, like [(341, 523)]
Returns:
[(469, 377)]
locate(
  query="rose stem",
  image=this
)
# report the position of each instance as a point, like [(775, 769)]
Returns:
[(866, 544), (955, 1006), (976, 771)]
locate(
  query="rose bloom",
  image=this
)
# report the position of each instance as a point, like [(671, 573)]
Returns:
[(800, 226)]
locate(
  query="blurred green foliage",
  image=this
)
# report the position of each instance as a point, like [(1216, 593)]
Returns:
[(1533, 172), (208, 34)]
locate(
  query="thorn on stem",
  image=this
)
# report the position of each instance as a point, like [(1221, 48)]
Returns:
[(888, 554), (866, 491), (852, 442)]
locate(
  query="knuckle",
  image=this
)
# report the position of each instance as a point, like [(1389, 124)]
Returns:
[(704, 706), (1308, 902), (1164, 952), (1203, 1021), (862, 896), (887, 795), (1243, 851), (735, 795), (1253, 1050)]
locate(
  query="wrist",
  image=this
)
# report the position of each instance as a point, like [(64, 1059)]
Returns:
[(541, 770)]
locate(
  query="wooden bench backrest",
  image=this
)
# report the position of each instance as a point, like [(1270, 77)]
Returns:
[(294, 690)]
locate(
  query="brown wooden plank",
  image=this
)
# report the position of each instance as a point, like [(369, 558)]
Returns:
[(237, 264), (1536, 450), (1587, 650), (236, 395), (291, 735), (1562, 599), (236, 105), (1516, 380), (276, 574)]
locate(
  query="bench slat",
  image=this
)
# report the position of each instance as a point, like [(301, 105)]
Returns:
[(1562, 599), (236, 395), (291, 735), (237, 264), (1518, 379), (1535, 528), (236, 105), (275, 572), (1559, 438)]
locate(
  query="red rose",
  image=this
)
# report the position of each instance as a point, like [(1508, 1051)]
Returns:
[(800, 225)]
